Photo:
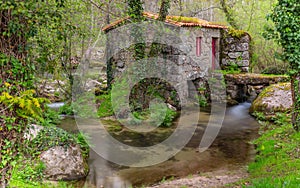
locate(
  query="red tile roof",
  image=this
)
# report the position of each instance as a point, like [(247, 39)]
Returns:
[(174, 20)]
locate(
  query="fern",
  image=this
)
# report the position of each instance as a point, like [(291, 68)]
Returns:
[(26, 105)]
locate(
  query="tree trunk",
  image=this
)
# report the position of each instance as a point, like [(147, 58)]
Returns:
[(228, 13), (295, 86), (164, 10)]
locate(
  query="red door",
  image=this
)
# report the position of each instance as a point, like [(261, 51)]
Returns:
[(213, 54)]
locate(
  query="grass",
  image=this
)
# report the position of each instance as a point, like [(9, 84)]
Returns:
[(277, 163), (28, 174), (105, 108)]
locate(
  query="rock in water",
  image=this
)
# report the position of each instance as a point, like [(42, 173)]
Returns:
[(274, 98), (64, 163)]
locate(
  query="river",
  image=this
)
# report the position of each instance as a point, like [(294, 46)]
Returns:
[(229, 151)]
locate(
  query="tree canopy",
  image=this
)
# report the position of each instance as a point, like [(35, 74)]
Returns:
[(286, 18)]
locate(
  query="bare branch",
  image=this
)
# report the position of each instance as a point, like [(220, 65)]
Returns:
[(194, 13), (100, 7)]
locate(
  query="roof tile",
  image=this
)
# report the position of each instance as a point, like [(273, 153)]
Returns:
[(174, 20)]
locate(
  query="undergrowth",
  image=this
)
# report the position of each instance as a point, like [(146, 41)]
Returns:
[(277, 163)]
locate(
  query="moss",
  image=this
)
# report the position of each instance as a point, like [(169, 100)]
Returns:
[(112, 125), (258, 106), (184, 19), (236, 33)]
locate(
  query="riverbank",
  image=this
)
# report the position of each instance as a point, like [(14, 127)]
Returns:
[(218, 178), (225, 159), (276, 164)]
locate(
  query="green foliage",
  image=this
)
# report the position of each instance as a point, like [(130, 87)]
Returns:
[(105, 108), (50, 117), (26, 105), (236, 33), (66, 109), (169, 117), (229, 13), (274, 70), (135, 9), (29, 172), (47, 138), (34, 35), (286, 18), (277, 163), (15, 74), (83, 140), (233, 68), (259, 116), (84, 106), (17, 110), (50, 137), (202, 100), (249, 16), (164, 10), (156, 115)]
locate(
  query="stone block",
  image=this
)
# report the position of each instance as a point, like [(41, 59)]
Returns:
[(234, 55), (243, 63), (231, 86), (176, 51), (120, 64), (233, 48), (229, 40), (242, 47), (244, 69), (227, 62), (245, 39), (245, 55)]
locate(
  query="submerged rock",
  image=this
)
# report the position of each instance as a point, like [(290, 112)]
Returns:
[(64, 163), (275, 98)]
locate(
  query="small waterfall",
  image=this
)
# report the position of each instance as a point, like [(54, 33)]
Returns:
[(55, 105)]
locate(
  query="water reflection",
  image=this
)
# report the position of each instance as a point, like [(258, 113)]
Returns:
[(229, 151)]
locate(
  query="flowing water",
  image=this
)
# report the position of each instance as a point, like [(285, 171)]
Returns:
[(230, 151), (56, 105)]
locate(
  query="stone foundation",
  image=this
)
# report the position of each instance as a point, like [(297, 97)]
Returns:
[(243, 87)]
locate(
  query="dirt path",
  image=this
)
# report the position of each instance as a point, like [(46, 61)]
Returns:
[(211, 179)]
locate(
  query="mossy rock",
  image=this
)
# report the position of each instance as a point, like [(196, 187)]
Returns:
[(63, 157), (273, 99)]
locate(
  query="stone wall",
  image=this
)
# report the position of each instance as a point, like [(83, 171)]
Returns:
[(243, 87), (235, 50), (177, 56)]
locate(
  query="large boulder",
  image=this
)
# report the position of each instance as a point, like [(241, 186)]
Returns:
[(62, 162), (273, 99)]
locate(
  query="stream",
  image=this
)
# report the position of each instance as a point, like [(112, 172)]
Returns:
[(230, 151)]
